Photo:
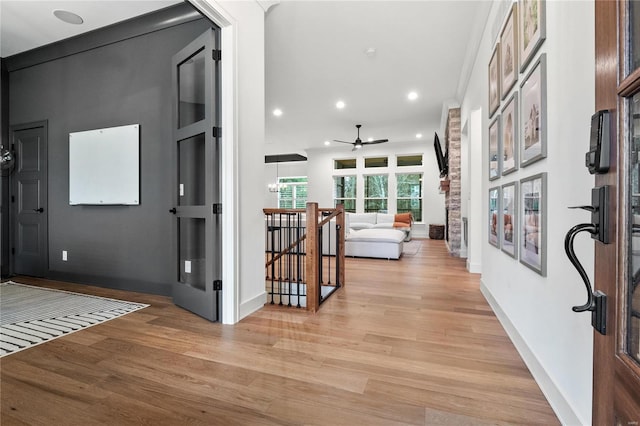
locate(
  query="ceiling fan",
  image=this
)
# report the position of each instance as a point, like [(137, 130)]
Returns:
[(358, 143)]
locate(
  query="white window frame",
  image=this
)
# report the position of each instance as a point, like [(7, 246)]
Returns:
[(294, 186), (365, 198), (421, 197), (336, 199)]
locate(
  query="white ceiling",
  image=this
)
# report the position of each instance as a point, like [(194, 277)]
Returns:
[(27, 24), (315, 56)]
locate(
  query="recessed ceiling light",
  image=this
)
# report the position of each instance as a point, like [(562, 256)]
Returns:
[(327, 143), (277, 112), (340, 104), (68, 17), (418, 135), (370, 52), (412, 96)]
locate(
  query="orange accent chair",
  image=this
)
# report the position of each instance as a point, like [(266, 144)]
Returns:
[(403, 222)]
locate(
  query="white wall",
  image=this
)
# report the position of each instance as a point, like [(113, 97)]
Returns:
[(320, 172), (476, 196), (536, 311), (243, 136)]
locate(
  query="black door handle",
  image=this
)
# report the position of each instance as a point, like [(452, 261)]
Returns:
[(40, 210), (173, 210), (596, 300)]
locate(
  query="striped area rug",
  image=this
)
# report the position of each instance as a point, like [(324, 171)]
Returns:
[(33, 315)]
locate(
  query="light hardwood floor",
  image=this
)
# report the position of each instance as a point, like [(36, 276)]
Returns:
[(406, 342)]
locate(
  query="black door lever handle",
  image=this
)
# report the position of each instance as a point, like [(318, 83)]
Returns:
[(587, 208), (39, 210), (173, 210)]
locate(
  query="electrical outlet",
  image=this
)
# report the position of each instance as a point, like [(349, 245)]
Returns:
[(64, 255)]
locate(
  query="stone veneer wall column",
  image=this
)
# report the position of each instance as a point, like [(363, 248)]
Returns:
[(454, 195)]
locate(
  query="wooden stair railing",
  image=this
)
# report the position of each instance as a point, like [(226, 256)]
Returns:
[(302, 265)]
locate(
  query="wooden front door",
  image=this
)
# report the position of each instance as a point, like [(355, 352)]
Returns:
[(616, 370)]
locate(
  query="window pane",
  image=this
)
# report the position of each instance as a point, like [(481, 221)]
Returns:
[(191, 171), (376, 162), (349, 205), (191, 252), (191, 90), (633, 281), (634, 36), (375, 206), (345, 164), (413, 205), (344, 187), (286, 192), (375, 186), (301, 179), (409, 186), (285, 204), (409, 160)]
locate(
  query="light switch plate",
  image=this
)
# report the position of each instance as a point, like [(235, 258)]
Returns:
[(187, 266)]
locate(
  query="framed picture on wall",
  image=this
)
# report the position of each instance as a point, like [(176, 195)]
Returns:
[(509, 152), (494, 216), (509, 219), (494, 149), (494, 80), (531, 28), (509, 52), (533, 232), (533, 113)]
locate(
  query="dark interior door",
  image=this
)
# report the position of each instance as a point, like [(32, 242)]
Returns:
[(616, 370), (197, 184), (29, 199)]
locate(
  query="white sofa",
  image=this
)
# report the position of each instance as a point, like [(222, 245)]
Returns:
[(358, 221), (380, 243)]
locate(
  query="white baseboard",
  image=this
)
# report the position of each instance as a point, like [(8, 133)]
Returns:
[(558, 403), (474, 268), (252, 305)]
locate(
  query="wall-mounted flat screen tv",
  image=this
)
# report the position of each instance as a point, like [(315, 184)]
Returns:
[(443, 159)]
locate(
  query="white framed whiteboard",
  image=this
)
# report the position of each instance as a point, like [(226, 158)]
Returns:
[(104, 166)]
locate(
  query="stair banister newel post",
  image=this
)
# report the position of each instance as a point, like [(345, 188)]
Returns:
[(313, 274), (340, 244)]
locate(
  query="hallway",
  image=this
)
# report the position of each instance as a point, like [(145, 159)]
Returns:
[(406, 342)]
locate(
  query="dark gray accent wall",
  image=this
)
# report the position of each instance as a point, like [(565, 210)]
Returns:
[(4, 184), (127, 82)]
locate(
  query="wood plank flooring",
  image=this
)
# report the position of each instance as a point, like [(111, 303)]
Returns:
[(408, 342)]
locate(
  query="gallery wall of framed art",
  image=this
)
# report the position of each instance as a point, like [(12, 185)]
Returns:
[(517, 135)]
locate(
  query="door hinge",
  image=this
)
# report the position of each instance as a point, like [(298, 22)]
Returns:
[(217, 285), (216, 55), (13, 198), (217, 208), (13, 250), (217, 132)]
